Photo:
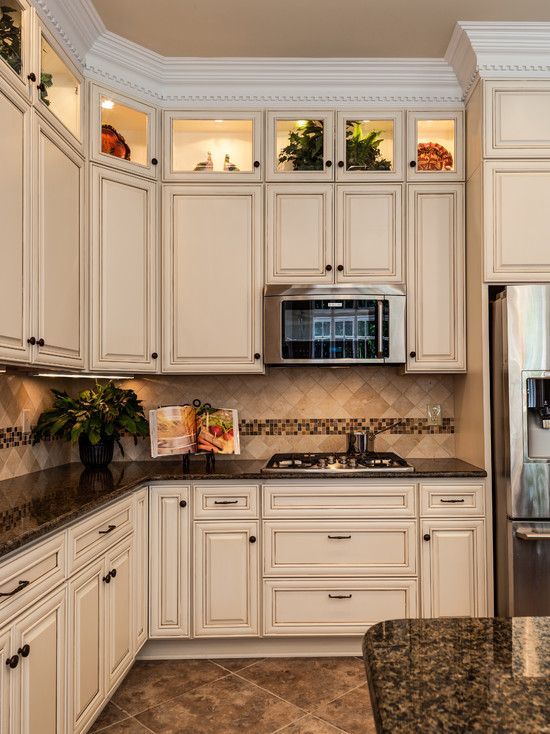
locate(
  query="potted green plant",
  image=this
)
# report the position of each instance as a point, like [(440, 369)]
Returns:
[(96, 419), (305, 147), (10, 38), (363, 149)]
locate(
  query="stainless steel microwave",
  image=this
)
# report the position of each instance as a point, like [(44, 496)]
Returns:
[(331, 325)]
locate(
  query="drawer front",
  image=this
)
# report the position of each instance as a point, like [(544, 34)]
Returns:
[(339, 548), (30, 574), (92, 537), (445, 500), (225, 500), (337, 500), (318, 607)]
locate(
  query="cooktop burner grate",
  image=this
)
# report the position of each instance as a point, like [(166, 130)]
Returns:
[(337, 462)]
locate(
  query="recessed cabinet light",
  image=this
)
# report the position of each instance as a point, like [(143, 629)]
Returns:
[(79, 376), (107, 104)]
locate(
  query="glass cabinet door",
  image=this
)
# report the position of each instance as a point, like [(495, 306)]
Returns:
[(217, 146), (435, 146), (369, 146), (59, 88), (299, 146), (14, 43), (123, 132)]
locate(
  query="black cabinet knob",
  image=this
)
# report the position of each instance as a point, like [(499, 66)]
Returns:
[(412, 355), (113, 573), (257, 355), (41, 342), (341, 164), (340, 268), (154, 161), (107, 579), (183, 503), (155, 355), (256, 164), (24, 651), (41, 87), (252, 539), (427, 536), (328, 268), (328, 164), (31, 341), (31, 77), (412, 164), (13, 662)]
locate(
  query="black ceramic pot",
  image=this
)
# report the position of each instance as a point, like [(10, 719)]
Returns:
[(98, 455)]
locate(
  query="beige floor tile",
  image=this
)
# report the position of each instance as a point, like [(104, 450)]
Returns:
[(351, 712), (128, 726), (309, 725), (235, 664), (111, 714)]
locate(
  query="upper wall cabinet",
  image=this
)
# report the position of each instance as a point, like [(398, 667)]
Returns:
[(516, 119), (15, 35), (123, 133), (58, 90), (369, 146), (435, 146), (300, 146), (200, 146)]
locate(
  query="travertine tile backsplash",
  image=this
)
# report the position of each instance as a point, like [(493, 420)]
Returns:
[(267, 405)]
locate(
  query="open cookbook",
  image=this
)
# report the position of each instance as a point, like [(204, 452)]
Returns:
[(188, 429)]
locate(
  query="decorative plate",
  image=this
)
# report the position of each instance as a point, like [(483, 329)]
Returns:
[(113, 143), (433, 157)]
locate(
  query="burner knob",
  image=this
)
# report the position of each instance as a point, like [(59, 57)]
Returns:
[(322, 463), (330, 459), (352, 462)]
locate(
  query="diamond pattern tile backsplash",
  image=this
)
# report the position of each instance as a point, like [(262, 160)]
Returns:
[(300, 409)]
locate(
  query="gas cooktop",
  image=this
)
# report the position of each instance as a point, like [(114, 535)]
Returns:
[(337, 462)]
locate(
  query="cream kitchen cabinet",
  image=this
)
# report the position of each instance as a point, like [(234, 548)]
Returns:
[(169, 573), (212, 279), (124, 288), (436, 278), (141, 569), (226, 578), (119, 612), (5, 681), (435, 146), (283, 128), (15, 64), (453, 568), (318, 233)]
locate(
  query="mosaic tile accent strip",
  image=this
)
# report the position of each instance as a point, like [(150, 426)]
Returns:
[(339, 426)]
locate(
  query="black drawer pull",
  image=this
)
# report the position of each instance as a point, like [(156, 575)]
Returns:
[(340, 596), (113, 573), (339, 537), (24, 651), (20, 586), (452, 502), (13, 662), (109, 530), (226, 502), (107, 579)]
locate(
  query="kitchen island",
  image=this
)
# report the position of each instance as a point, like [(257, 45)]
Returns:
[(460, 675)]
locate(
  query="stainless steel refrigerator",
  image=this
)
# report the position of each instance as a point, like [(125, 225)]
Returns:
[(520, 366)]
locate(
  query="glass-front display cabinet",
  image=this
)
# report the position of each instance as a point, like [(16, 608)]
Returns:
[(15, 44), (212, 146), (300, 145), (123, 132), (59, 90), (369, 146), (435, 146)]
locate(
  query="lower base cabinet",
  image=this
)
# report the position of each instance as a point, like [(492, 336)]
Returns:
[(5, 653), (226, 573)]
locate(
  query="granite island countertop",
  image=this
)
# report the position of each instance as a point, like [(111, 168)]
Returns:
[(34, 504), (458, 675)]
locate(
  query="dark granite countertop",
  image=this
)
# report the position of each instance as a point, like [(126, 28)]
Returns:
[(460, 675), (35, 504)]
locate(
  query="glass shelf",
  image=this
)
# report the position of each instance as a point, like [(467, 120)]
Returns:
[(124, 131), (11, 35), (369, 145), (213, 146), (299, 145), (436, 146), (59, 88)]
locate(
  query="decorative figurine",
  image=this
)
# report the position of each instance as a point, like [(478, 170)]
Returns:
[(228, 166), (206, 165)]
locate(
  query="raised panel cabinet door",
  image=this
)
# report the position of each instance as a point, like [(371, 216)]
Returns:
[(40, 699), (453, 574), (436, 280), (6, 676), (16, 58), (517, 221), (300, 233), (86, 639), (212, 269), (141, 562), (226, 578), (369, 234), (14, 213), (124, 272), (58, 259), (169, 577), (119, 612)]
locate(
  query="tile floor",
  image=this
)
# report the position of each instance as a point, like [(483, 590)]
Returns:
[(284, 695)]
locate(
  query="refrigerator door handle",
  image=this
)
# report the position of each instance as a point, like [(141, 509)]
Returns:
[(528, 535)]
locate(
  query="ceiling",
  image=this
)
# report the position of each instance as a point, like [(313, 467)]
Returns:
[(304, 28)]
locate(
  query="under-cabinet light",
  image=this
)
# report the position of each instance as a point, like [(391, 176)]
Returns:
[(301, 123), (218, 120), (107, 104), (80, 376)]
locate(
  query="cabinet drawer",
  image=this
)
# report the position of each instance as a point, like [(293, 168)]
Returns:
[(30, 574), (92, 537), (225, 500), (444, 500), (335, 607), (340, 548), (337, 500)]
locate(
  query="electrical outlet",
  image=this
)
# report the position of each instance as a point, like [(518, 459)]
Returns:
[(434, 414), (26, 421)]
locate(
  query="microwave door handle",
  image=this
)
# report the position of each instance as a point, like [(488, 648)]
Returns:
[(380, 328)]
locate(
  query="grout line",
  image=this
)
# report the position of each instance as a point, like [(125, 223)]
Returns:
[(341, 695), (146, 728), (266, 690), (296, 721), (253, 662)]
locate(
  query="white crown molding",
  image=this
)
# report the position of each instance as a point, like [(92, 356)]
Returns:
[(75, 23), (499, 49)]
